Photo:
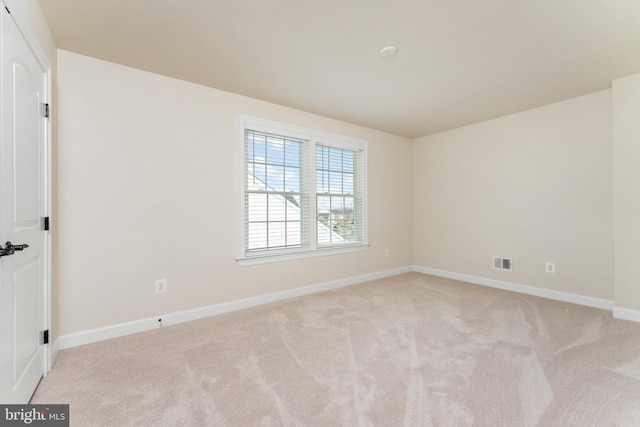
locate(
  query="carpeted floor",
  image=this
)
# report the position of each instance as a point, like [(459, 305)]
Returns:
[(412, 350)]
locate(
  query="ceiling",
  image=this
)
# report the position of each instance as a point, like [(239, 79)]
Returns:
[(459, 61)]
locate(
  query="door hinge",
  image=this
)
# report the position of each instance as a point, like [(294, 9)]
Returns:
[(45, 337), (46, 223), (45, 110)]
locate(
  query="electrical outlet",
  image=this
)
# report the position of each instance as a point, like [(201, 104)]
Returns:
[(161, 286), (550, 267), (386, 252)]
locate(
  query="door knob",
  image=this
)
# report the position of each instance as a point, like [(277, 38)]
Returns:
[(10, 249)]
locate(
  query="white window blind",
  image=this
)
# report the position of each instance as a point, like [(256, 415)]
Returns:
[(276, 192), (339, 195), (303, 192)]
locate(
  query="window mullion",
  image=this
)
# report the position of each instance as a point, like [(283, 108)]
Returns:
[(268, 222), (312, 216)]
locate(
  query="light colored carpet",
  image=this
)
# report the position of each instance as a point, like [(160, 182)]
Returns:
[(412, 350)]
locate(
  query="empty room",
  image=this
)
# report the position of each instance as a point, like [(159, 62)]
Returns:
[(319, 213)]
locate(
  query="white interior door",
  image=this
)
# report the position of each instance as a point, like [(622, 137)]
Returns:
[(23, 197)]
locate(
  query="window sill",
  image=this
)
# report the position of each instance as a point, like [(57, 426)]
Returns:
[(302, 254)]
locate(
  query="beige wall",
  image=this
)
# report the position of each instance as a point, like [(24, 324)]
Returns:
[(626, 139), (535, 186), (142, 158), (147, 190)]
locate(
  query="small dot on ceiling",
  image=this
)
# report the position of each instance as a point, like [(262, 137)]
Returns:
[(388, 52)]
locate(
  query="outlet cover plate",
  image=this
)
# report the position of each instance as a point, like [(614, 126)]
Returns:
[(161, 286)]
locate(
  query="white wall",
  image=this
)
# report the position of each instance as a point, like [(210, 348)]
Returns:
[(147, 169), (535, 186), (626, 138)]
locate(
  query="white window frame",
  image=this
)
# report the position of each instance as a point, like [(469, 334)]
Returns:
[(314, 137)]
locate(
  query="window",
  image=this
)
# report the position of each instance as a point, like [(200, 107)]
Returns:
[(303, 192), (274, 192)]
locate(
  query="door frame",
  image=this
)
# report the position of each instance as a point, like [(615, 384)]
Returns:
[(19, 16)]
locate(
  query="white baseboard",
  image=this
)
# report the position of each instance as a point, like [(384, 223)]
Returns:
[(114, 331), (626, 314), (523, 289), (122, 329)]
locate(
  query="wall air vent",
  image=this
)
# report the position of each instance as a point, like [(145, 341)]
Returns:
[(500, 263)]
